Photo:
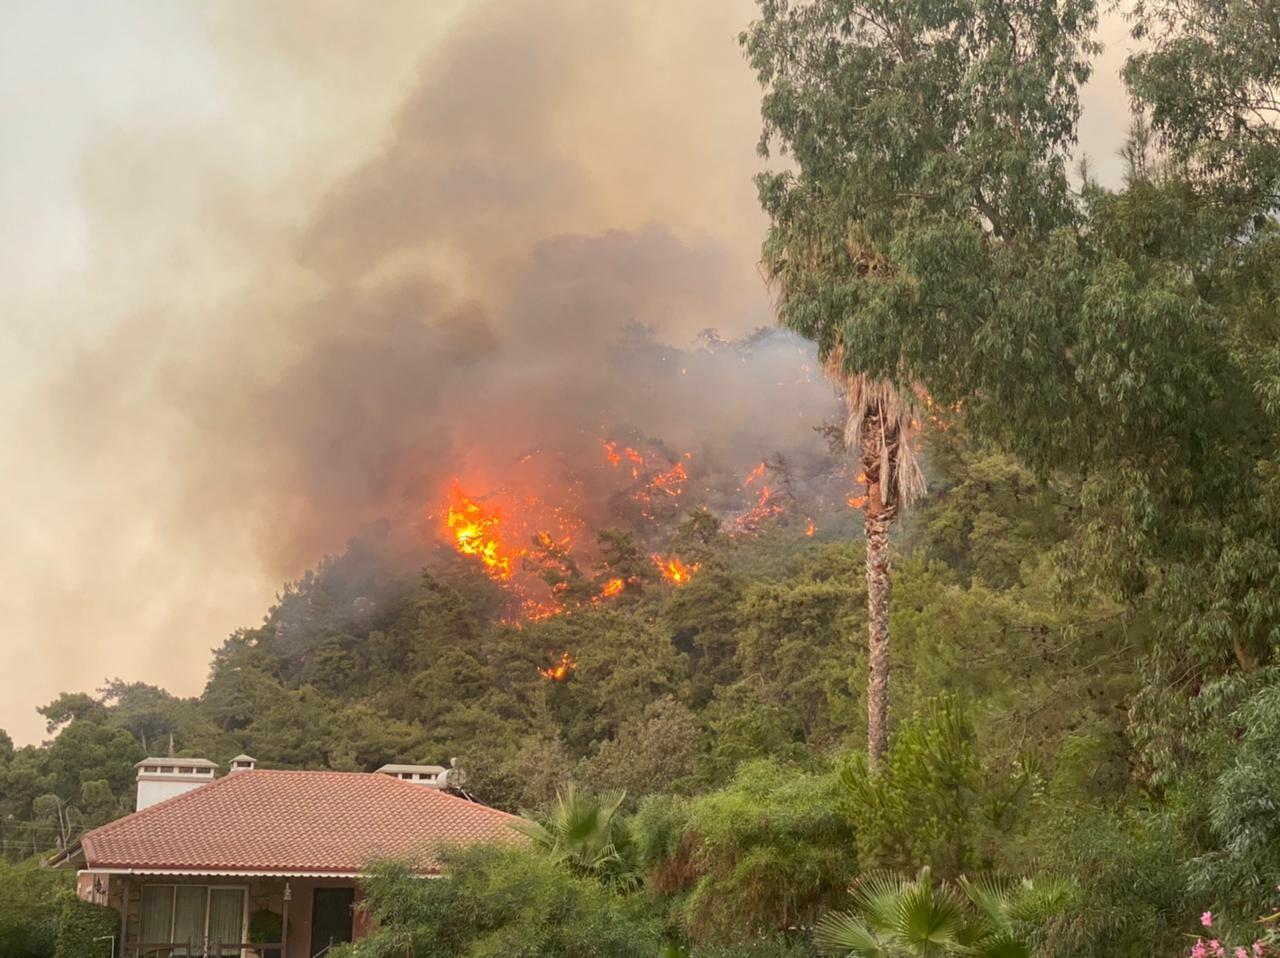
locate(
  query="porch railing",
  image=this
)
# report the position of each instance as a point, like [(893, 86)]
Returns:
[(212, 949)]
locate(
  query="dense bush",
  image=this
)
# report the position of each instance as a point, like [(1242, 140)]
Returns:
[(30, 903), (764, 855), (85, 930), (501, 902)]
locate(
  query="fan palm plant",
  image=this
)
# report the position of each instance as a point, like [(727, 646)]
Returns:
[(586, 833), (899, 917)]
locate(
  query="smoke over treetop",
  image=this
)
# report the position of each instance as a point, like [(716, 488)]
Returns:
[(269, 364)]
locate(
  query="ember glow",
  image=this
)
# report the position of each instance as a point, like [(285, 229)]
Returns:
[(809, 527), (674, 570), (612, 587), (560, 670)]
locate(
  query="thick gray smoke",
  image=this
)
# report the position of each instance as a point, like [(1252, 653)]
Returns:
[(452, 327), (518, 260)]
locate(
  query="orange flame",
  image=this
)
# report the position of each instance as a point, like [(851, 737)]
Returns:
[(477, 532), (612, 588), (672, 481), (675, 571), (767, 506), (560, 671), (856, 501), (754, 474), (809, 528), (615, 456)]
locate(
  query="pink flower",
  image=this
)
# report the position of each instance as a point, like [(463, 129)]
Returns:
[(1216, 947), (1258, 949), (1198, 950), (1207, 919), (1242, 952)]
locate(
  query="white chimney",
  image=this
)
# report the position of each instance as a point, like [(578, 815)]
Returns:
[(434, 776), (162, 778), (243, 763)]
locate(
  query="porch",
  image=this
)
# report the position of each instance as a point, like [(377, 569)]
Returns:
[(227, 916)]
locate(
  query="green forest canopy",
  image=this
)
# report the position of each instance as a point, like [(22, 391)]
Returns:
[(1086, 606)]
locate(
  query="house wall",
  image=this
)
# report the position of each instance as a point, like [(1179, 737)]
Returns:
[(124, 894), (300, 914)]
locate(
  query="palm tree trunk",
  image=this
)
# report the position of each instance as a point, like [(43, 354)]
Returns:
[(877, 517)]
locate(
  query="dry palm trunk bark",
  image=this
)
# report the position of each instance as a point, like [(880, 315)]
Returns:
[(878, 515)]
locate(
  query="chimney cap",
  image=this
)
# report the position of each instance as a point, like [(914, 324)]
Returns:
[(394, 769), (185, 762)]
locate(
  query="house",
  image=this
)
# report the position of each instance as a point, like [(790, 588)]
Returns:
[(262, 863)]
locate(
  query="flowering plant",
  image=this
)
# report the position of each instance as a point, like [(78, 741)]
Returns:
[(1267, 943)]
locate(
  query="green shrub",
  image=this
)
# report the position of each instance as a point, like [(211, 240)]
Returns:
[(502, 901), (765, 855), (937, 802), (84, 929), (30, 898)]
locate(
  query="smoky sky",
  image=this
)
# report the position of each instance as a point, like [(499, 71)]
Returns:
[(270, 354), (303, 263)]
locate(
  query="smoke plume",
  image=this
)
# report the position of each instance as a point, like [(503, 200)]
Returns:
[(514, 261)]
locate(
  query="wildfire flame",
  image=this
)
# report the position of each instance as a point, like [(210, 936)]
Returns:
[(615, 457), (674, 570), (477, 532), (767, 503), (560, 670), (754, 474), (672, 481), (612, 588), (809, 527)]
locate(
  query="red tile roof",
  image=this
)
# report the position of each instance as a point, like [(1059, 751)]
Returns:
[(294, 823)]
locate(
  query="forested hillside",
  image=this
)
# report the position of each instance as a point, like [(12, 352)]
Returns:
[(658, 647)]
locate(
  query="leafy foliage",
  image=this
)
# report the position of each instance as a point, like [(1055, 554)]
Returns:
[(589, 836), (502, 902), (29, 909), (85, 930), (759, 857)]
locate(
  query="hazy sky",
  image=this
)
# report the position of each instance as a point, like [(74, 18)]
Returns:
[(186, 189)]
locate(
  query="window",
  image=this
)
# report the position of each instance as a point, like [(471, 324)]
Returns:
[(198, 915)]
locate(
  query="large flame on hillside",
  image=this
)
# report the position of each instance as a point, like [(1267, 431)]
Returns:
[(478, 532), (530, 522), (561, 669), (674, 570)]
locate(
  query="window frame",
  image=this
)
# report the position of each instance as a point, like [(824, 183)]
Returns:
[(173, 911)]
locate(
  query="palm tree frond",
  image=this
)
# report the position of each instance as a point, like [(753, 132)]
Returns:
[(931, 919), (877, 895), (840, 933)]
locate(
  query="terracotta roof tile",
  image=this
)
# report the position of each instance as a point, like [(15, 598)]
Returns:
[(291, 822)]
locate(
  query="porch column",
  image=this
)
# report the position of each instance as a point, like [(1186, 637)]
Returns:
[(124, 916), (284, 920)]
